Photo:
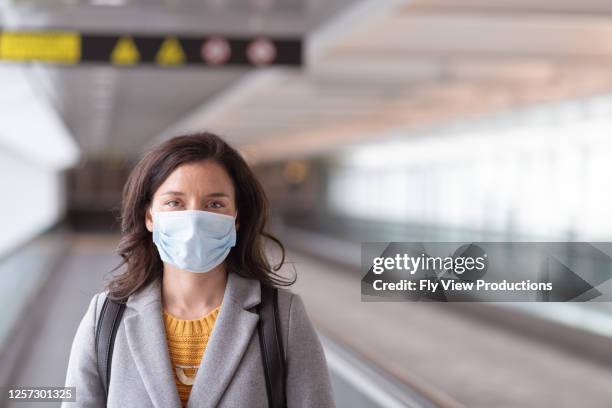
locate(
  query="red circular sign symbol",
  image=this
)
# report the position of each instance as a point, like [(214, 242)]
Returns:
[(261, 52), (216, 51)]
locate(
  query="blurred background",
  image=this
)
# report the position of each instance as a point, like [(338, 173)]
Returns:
[(439, 120)]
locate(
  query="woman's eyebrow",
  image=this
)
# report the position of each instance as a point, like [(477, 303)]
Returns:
[(219, 194), (172, 192), (180, 193)]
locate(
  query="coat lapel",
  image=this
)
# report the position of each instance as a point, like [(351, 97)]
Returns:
[(146, 338), (233, 330)]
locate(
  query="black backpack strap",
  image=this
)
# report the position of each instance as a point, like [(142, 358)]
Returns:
[(106, 330), (271, 343)]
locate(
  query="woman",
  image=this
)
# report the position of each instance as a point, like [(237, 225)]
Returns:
[(193, 224)]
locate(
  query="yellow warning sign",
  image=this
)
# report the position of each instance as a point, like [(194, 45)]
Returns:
[(64, 47), (125, 52), (170, 52)]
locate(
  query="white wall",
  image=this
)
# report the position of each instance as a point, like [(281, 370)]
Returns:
[(35, 147), (31, 199)]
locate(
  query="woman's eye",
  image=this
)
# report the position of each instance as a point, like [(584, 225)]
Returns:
[(215, 204), (172, 203)]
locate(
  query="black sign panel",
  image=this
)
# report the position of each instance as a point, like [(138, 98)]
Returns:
[(66, 47)]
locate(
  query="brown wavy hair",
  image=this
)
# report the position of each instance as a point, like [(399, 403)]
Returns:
[(136, 248)]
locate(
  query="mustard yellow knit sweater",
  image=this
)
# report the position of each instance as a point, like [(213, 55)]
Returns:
[(187, 340)]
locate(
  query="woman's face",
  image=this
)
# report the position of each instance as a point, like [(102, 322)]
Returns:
[(203, 185)]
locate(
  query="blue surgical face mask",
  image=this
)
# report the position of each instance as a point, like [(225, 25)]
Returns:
[(196, 241)]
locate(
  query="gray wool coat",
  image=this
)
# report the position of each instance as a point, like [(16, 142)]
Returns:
[(231, 371)]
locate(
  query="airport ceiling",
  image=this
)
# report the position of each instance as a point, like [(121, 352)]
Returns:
[(117, 112), (370, 67)]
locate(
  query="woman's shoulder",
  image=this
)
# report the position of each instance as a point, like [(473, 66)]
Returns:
[(286, 299), (300, 338), (85, 332), (95, 306), (293, 313)]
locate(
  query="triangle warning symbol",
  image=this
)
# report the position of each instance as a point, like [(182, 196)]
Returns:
[(125, 52), (170, 52)]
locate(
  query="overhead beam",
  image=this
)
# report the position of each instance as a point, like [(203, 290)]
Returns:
[(585, 7), (444, 107), (448, 35)]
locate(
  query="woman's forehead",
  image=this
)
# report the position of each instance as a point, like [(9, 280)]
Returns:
[(198, 177)]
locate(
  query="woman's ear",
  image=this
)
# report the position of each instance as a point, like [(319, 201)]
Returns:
[(149, 219)]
